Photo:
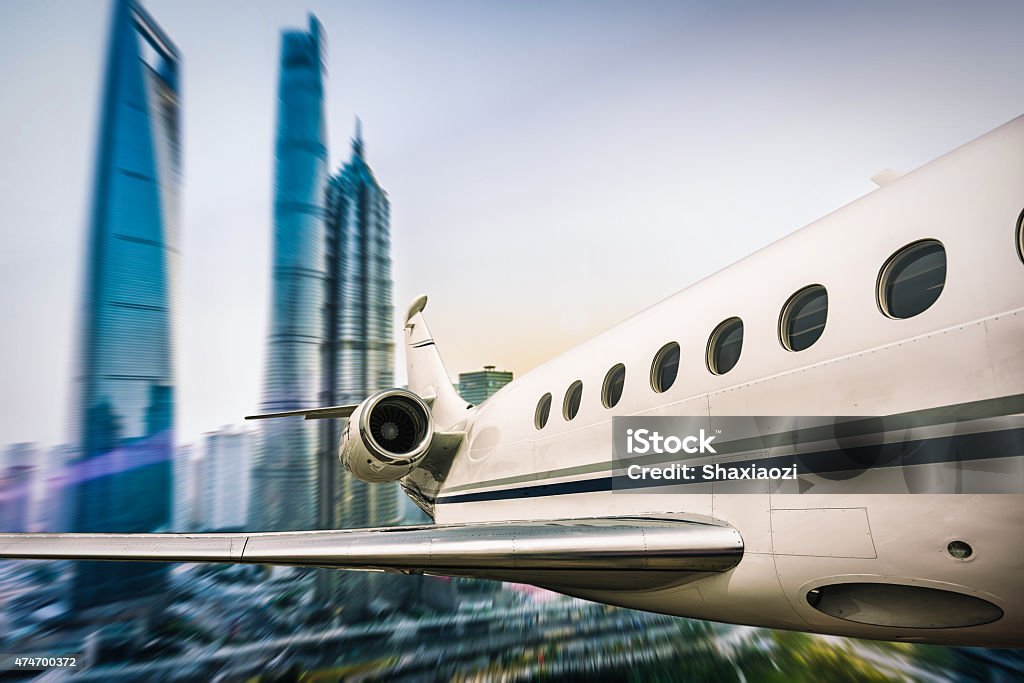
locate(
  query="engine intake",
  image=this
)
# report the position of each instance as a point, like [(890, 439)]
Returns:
[(387, 436)]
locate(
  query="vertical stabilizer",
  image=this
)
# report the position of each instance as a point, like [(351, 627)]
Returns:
[(427, 374)]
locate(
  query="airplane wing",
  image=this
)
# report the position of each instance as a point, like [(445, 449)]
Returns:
[(612, 552), (310, 413), (321, 413)]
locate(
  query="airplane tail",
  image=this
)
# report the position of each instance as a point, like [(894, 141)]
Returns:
[(427, 375)]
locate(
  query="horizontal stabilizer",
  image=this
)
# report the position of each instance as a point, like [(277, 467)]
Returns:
[(310, 413), (545, 552)]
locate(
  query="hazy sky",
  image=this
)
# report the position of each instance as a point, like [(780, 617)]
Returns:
[(553, 167)]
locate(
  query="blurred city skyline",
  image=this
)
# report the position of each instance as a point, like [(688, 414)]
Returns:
[(536, 156)]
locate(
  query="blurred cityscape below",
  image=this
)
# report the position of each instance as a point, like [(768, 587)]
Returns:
[(329, 342)]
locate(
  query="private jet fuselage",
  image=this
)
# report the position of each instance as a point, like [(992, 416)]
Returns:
[(834, 562)]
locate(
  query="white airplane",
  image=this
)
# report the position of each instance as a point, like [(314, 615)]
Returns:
[(905, 307)]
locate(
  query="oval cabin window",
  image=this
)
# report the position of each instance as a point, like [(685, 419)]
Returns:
[(803, 318), (725, 345), (912, 279), (573, 398), (540, 417), (611, 392), (1020, 236), (665, 367)]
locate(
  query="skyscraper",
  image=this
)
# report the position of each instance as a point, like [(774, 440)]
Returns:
[(476, 387), (284, 476), (223, 495), (358, 349), (183, 512), (124, 406), (17, 481), (54, 511)]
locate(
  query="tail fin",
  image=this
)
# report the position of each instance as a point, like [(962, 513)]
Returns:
[(427, 374)]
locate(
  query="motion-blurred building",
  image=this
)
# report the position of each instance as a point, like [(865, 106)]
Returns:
[(224, 481), (183, 515), (17, 479), (24, 454), (53, 511), (358, 349), (476, 387), (284, 476), (124, 406)]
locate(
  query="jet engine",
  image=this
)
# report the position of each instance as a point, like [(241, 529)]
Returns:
[(386, 436)]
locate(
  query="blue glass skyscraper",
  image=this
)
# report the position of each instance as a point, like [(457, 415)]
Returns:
[(284, 475), (358, 351), (359, 320), (124, 406)]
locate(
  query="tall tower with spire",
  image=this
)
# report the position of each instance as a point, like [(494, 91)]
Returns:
[(358, 349), (124, 386), (357, 140), (285, 468)]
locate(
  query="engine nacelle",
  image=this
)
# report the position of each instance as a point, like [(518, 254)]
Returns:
[(387, 436)]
